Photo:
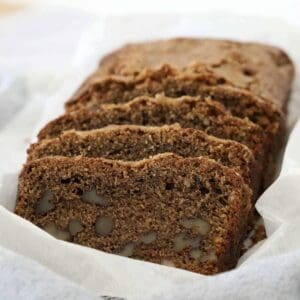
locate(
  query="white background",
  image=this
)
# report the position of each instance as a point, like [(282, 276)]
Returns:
[(287, 9)]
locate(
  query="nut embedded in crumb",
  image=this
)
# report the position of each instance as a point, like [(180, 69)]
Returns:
[(75, 227), (58, 233), (199, 225), (104, 225), (196, 254), (208, 257), (167, 262), (93, 198), (181, 241), (127, 250), (44, 205), (148, 238)]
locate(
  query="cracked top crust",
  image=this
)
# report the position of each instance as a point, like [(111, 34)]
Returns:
[(264, 70)]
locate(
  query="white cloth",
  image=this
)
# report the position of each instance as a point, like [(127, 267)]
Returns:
[(271, 278), (22, 278), (34, 83)]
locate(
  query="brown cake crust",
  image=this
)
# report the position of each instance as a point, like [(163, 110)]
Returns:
[(132, 142), (263, 70), (177, 191)]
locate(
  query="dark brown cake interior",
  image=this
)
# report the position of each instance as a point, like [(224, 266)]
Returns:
[(207, 115), (190, 212)]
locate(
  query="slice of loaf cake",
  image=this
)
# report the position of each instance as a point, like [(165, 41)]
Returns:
[(263, 70), (188, 112), (132, 142), (186, 212)]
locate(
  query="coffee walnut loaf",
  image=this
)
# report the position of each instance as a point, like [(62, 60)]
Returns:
[(264, 70), (162, 152), (187, 212)]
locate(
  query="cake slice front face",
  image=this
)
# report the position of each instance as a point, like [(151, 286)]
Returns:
[(187, 212)]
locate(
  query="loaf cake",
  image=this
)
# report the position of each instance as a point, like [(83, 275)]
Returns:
[(187, 212), (264, 70), (132, 142), (162, 153)]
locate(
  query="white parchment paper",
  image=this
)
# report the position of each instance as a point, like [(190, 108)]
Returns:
[(106, 274)]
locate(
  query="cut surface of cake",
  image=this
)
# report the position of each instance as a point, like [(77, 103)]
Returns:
[(186, 212), (188, 112)]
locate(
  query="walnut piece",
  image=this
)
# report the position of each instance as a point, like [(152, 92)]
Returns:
[(196, 254), (167, 262), (57, 232), (181, 241), (209, 257), (75, 227), (127, 250), (93, 198), (104, 225), (148, 238), (199, 225), (44, 205)]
